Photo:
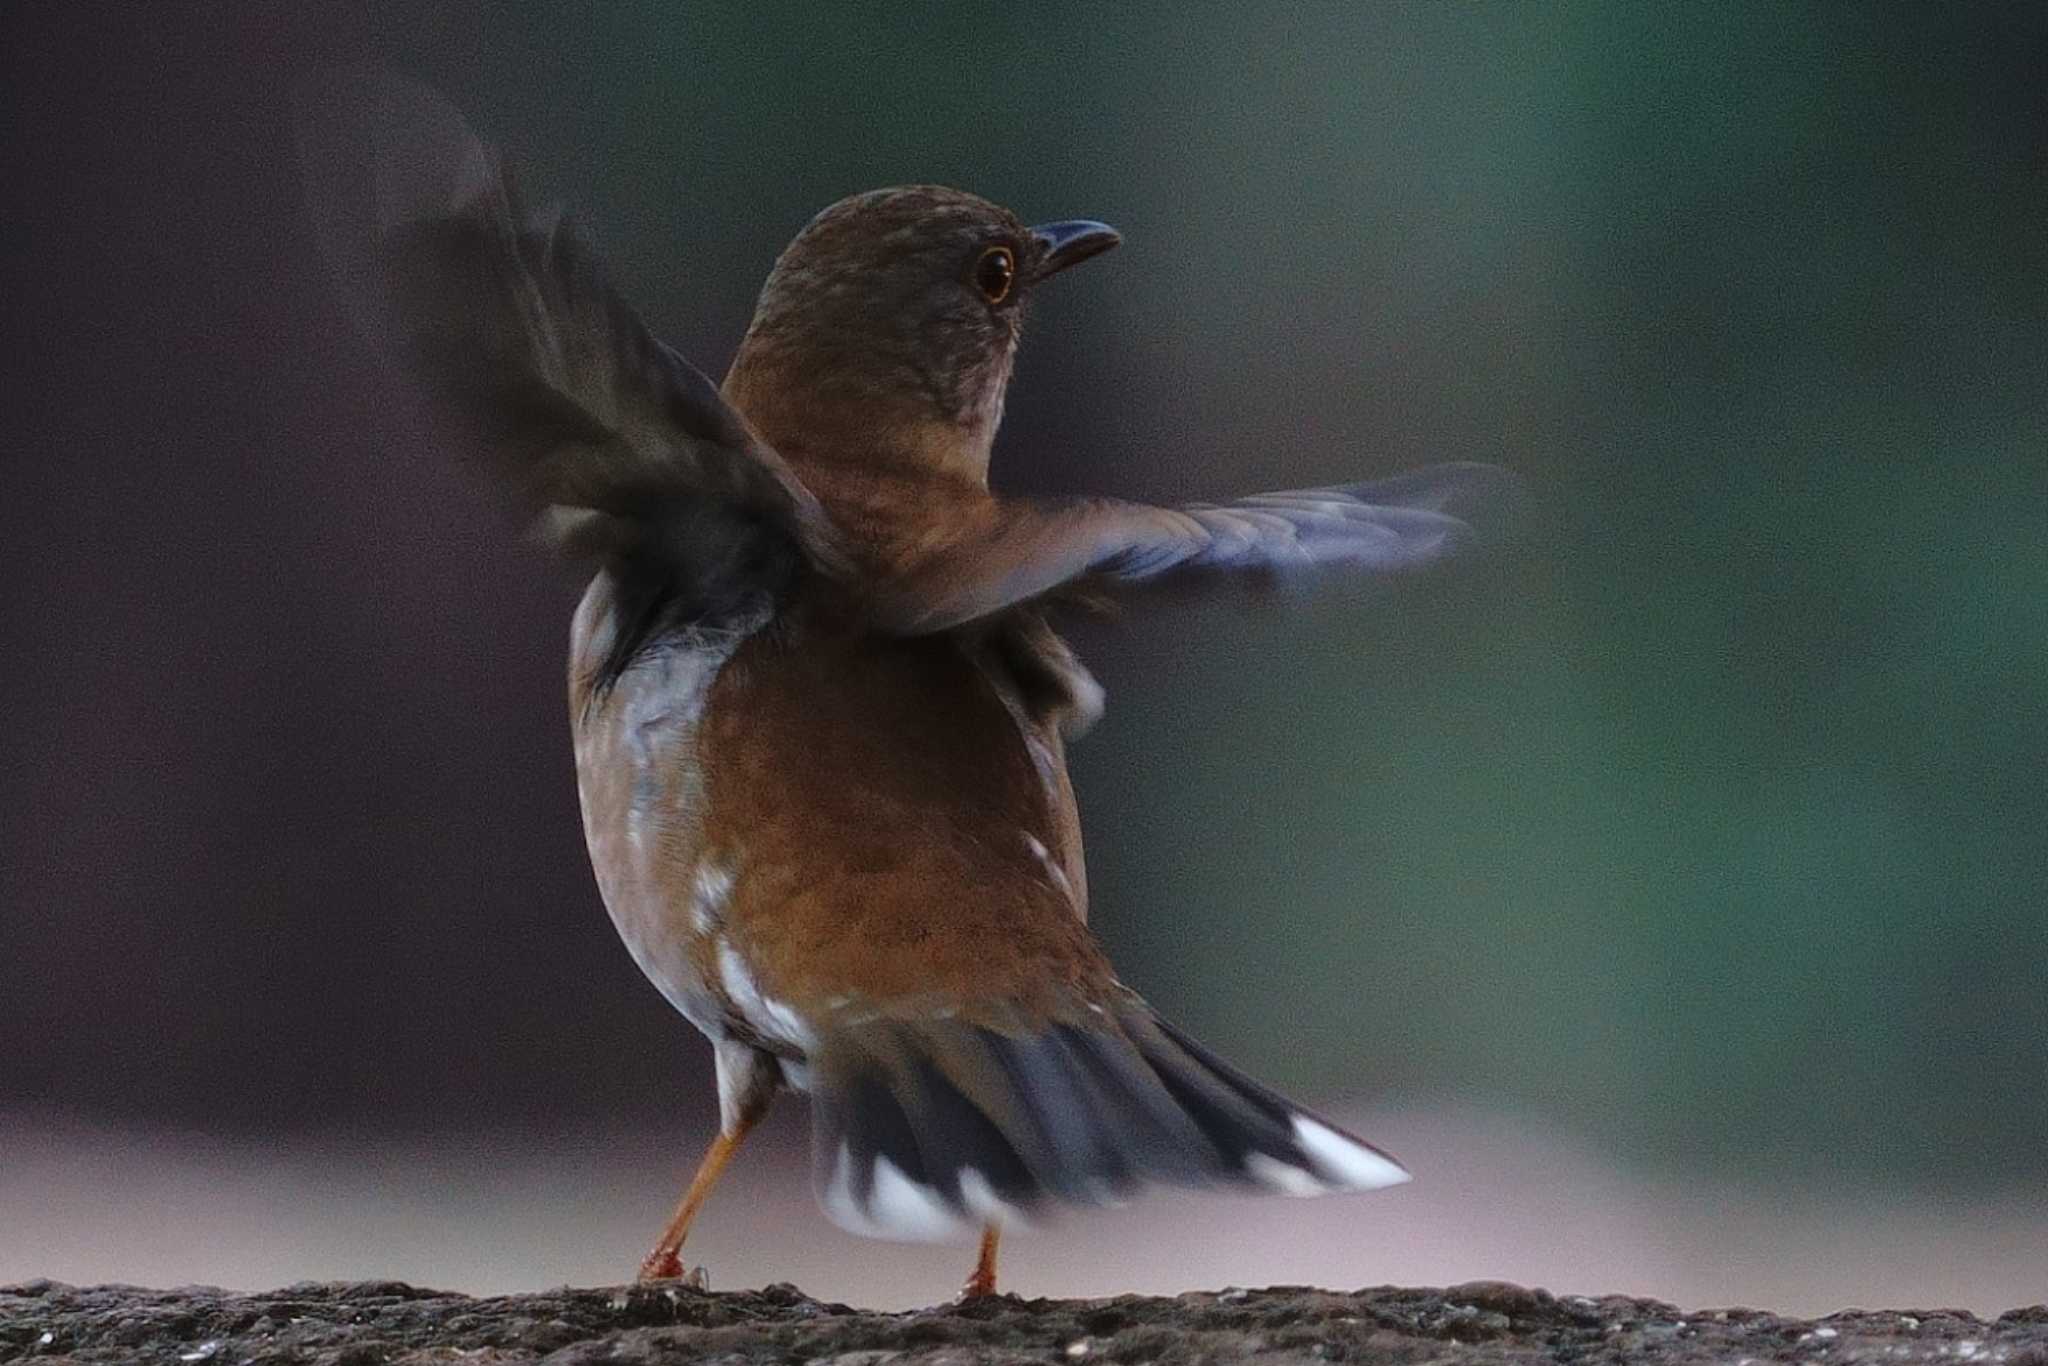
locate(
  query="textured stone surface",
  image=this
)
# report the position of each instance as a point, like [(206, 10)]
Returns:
[(370, 1323)]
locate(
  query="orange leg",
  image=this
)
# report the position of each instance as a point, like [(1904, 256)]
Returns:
[(983, 1281), (663, 1263)]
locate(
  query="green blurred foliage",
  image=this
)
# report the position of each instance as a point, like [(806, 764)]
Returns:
[(1707, 814)]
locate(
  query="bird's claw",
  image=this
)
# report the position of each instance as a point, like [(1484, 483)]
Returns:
[(665, 1264)]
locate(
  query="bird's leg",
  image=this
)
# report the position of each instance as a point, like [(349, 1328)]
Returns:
[(983, 1281), (746, 1085), (664, 1263)]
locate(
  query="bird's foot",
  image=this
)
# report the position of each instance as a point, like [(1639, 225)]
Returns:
[(666, 1264), (980, 1286)]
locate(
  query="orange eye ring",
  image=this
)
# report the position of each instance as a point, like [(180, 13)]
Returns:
[(995, 274)]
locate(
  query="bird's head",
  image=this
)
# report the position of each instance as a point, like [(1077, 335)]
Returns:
[(887, 329)]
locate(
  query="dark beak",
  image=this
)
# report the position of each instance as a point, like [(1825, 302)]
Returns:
[(1064, 244)]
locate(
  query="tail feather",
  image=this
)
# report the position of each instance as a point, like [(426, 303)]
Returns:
[(924, 1130), (1288, 1149)]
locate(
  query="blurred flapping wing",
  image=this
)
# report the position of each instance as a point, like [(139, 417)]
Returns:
[(607, 435), (1022, 549)]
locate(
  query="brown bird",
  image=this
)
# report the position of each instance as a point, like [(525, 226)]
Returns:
[(819, 713)]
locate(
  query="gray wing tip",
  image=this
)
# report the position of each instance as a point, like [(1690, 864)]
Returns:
[(379, 151), (1486, 500), (360, 116)]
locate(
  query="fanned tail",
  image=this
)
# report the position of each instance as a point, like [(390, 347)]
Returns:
[(925, 1129)]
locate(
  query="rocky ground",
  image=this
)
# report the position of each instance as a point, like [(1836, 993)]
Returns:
[(372, 1323)]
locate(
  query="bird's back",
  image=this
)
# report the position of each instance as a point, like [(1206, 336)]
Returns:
[(792, 816)]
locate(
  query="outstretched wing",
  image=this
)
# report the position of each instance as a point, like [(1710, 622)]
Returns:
[(1019, 549), (607, 435)]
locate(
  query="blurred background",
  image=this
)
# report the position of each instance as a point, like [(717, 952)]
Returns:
[(1666, 886)]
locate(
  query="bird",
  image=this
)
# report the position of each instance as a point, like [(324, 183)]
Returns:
[(818, 703)]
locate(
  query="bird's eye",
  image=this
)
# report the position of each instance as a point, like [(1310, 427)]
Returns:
[(995, 272)]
